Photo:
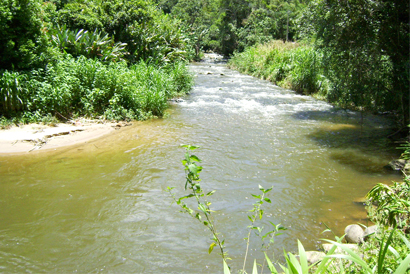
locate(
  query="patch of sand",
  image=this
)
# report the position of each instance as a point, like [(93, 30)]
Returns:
[(27, 138)]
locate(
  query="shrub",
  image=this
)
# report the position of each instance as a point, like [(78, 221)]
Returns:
[(88, 44), (20, 35), (88, 87), (289, 65)]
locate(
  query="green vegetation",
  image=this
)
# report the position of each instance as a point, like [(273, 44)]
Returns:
[(289, 65), (87, 87), (355, 53), (229, 25), (386, 251), (305, 69), (101, 59), (352, 53)]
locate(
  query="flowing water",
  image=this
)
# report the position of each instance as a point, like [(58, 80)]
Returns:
[(102, 206)]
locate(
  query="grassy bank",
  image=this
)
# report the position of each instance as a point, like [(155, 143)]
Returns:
[(289, 65), (305, 69), (86, 87)]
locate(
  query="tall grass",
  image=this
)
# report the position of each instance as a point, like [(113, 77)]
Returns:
[(289, 65), (11, 91), (90, 88)]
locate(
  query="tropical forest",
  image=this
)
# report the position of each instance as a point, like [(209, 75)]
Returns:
[(291, 117)]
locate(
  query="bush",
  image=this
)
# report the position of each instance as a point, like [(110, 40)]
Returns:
[(88, 44), (289, 65), (20, 33), (88, 87)]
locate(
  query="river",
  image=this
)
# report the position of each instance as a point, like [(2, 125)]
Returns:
[(102, 206)]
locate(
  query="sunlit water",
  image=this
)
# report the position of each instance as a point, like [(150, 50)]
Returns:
[(102, 207)]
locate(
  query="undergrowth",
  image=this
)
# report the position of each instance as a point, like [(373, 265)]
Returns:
[(87, 87), (289, 65)]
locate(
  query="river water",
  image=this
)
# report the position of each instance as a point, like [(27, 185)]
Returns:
[(102, 206)]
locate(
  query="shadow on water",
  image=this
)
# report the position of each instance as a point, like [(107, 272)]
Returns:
[(353, 140)]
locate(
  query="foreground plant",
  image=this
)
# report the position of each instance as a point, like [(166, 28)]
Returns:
[(390, 205), (192, 183), (380, 266), (347, 261), (203, 212)]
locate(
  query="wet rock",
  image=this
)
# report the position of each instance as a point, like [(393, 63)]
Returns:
[(400, 165), (360, 201), (176, 100), (354, 234), (121, 124), (314, 256)]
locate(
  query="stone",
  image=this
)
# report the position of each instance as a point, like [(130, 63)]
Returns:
[(369, 231), (360, 201), (354, 234), (400, 165), (314, 256), (327, 247)]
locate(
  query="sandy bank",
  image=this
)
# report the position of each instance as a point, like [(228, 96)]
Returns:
[(27, 138)]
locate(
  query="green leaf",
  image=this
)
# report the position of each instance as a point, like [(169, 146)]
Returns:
[(226, 268), (267, 200), (194, 169), (194, 158), (351, 257), (256, 196), (211, 247), (383, 251), (210, 193), (260, 214), (270, 265), (189, 147), (255, 268), (303, 258), (403, 266), (202, 208)]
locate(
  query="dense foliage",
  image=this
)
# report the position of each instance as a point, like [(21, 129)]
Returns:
[(363, 45), (356, 53), (114, 59), (87, 87), (289, 65), (20, 33), (229, 25)]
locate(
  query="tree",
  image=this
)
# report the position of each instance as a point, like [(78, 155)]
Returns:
[(231, 17), (366, 53), (20, 33)]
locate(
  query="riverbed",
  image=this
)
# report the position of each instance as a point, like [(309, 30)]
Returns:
[(102, 206)]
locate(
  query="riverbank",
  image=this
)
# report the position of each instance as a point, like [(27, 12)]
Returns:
[(32, 137)]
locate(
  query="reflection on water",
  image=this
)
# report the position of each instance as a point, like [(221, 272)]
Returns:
[(101, 207)]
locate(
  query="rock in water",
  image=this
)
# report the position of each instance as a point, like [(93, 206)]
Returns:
[(400, 165), (354, 234)]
